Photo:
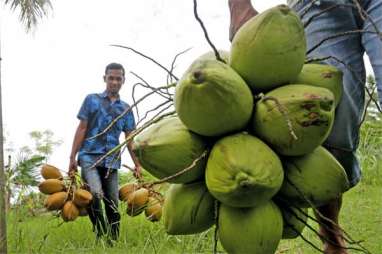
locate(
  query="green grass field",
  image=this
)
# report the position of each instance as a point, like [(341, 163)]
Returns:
[(361, 217)]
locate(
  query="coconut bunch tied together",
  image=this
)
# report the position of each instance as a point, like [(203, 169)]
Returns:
[(68, 195), (141, 198), (244, 151)]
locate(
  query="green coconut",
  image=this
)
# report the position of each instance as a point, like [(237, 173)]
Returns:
[(295, 219), (269, 49), (224, 55), (188, 209), (313, 179), (211, 99), (255, 230), (322, 75), (168, 147), (242, 171), (307, 110)]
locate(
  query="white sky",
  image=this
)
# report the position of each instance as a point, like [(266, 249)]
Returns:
[(47, 74)]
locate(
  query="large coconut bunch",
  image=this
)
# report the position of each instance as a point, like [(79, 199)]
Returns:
[(260, 117)]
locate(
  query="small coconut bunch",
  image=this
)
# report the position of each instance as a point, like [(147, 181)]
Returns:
[(141, 198), (54, 186), (67, 195)]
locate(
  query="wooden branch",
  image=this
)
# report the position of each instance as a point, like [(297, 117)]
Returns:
[(147, 57), (217, 55)]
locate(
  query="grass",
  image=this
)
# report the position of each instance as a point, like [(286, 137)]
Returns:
[(361, 217)]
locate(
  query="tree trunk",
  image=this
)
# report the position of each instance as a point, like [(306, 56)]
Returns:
[(8, 199), (3, 218)]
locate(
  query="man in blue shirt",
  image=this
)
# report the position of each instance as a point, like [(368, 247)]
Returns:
[(97, 112), (327, 22)]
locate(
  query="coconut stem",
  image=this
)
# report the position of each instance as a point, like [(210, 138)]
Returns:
[(198, 77), (216, 238), (346, 236), (166, 179), (205, 33)]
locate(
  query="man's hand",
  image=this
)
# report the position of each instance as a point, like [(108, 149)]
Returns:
[(138, 172), (72, 167), (241, 11)]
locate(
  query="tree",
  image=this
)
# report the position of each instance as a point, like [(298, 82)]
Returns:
[(22, 175), (44, 142), (30, 12)]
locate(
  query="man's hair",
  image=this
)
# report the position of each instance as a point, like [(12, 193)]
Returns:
[(115, 66)]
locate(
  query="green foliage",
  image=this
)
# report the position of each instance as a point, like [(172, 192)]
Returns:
[(369, 151), (44, 142), (373, 109), (138, 235), (23, 173), (128, 177), (30, 11)]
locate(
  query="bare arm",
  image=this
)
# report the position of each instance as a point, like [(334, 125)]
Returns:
[(133, 157), (241, 11), (79, 138)]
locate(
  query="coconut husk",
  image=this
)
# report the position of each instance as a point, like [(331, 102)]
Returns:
[(82, 198), (313, 179), (138, 198), (167, 147), (51, 186), (56, 200), (322, 75), (134, 210), (153, 210), (294, 119), (250, 230), (50, 172), (212, 99), (269, 49), (188, 209), (69, 212), (126, 190), (242, 171)]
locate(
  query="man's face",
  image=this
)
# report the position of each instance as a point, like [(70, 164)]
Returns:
[(114, 80)]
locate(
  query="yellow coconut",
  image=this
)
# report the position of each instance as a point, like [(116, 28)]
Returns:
[(153, 210), (50, 172), (82, 198), (69, 212), (134, 210), (126, 190), (138, 198), (51, 186), (56, 201)]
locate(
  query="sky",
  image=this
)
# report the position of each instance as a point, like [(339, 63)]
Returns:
[(46, 74)]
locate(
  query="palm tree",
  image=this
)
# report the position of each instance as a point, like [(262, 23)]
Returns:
[(22, 175), (30, 12)]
